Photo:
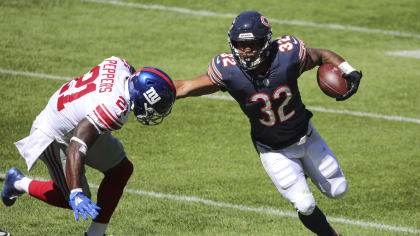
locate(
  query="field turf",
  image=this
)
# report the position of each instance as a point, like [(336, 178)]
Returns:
[(198, 173)]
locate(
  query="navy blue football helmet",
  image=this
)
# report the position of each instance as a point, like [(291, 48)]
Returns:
[(152, 94), (247, 27)]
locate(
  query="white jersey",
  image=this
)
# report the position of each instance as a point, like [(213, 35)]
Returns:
[(101, 95)]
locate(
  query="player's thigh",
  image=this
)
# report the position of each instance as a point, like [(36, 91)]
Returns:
[(54, 157), (322, 167), (105, 153), (288, 176)]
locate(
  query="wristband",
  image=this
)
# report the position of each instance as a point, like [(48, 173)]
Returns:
[(83, 148), (346, 68), (75, 191)]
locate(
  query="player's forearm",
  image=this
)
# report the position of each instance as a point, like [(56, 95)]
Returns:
[(198, 86), (324, 56), (74, 164), (180, 86), (84, 136), (330, 57), (186, 88), (318, 56)]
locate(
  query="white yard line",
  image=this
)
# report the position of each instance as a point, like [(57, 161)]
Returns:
[(264, 210), (224, 97), (30, 74), (411, 53), (269, 210), (272, 20)]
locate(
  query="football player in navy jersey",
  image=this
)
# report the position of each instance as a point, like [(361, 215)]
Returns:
[(261, 75)]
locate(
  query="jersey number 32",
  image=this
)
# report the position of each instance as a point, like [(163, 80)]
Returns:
[(268, 109)]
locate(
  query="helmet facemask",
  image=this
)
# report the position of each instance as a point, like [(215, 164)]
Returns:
[(250, 60), (147, 115)]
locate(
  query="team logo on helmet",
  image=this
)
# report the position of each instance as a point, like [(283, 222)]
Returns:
[(151, 96), (265, 21)]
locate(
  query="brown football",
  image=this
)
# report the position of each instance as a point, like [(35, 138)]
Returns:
[(330, 80)]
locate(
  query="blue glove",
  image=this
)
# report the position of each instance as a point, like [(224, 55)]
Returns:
[(82, 204)]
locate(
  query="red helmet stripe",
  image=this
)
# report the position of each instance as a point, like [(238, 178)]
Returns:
[(160, 74)]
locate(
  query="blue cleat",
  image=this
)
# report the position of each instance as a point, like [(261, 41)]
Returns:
[(9, 194)]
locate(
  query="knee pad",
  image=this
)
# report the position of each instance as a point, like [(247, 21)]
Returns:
[(328, 166), (306, 205), (339, 188), (284, 174)]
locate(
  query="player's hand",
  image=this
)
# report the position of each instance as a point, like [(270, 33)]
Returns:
[(83, 205), (353, 81)]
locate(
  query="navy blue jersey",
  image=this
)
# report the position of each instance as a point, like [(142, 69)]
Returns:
[(273, 105)]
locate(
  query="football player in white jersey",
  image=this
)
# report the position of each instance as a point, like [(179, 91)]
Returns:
[(74, 129)]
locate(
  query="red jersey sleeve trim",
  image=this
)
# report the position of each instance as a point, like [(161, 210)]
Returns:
[(117, 122), (101, 121), (106, 119)]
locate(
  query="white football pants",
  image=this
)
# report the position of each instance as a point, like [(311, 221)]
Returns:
[(311, 156)]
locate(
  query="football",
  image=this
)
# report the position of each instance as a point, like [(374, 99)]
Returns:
[(330, 80)]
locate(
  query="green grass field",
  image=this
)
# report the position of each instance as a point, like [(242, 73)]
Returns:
[(201, 159)]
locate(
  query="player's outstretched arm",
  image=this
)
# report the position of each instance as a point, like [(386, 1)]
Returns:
[(84, 136), (197, 86), (322, 56)]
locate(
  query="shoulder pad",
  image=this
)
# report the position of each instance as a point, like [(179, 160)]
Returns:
[(219, 66), (291, 45)]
